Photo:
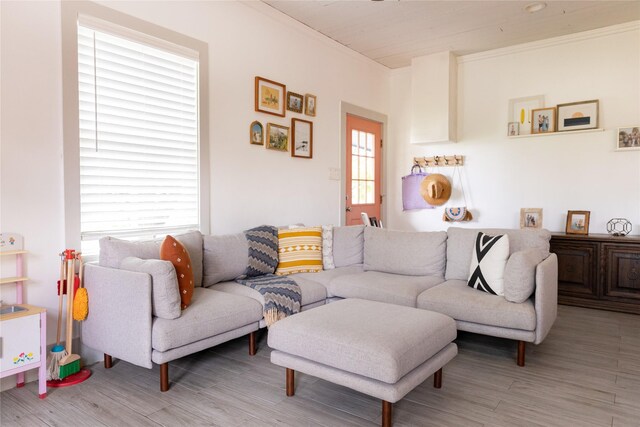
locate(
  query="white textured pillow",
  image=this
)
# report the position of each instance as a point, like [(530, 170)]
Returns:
[(520, 274), (488, 261), (327, 247), (165, 295)]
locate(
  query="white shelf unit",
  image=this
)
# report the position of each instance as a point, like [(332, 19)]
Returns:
[(566, 132), (24, 333)]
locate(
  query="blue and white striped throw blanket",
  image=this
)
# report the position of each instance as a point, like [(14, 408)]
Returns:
[(282, 296)]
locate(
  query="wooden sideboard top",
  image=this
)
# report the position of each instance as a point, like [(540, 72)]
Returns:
[(634, 239)]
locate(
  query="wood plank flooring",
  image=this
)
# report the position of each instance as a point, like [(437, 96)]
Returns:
[(586, 373)]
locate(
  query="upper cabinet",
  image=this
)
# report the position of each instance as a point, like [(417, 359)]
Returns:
[(434, 94)]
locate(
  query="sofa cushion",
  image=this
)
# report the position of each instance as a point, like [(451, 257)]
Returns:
[(175, 252), (327, 247), (113, 251), (326, 276), (299, 251), (520, 274), (348, 245), (460, 242), (454, 298), (225, 257), (402, 252), (383, 287), (165, 296), (211, 313), (488, 260), (311, 291)]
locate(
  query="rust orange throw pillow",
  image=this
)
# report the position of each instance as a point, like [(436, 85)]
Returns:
[(174, 251)]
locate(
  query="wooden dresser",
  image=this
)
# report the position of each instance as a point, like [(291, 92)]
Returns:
[(598, 271)]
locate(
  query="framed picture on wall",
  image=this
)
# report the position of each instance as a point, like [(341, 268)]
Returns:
[(578, 222), (270, 96), (310, 104), (530, 218), (520, 111), (543, 120), (256, 133), (578, 115), (277, 137), (513, 129), (628, 138), (295, 102), (301, 138)]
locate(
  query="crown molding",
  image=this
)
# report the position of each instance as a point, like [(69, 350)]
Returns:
[(555, 41), (285, 19)]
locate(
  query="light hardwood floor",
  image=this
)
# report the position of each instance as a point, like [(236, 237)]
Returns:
[(586, 373)]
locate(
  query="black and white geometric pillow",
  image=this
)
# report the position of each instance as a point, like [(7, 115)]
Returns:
[(488, 261)]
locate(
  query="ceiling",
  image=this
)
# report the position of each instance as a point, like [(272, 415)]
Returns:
[(392, 32)]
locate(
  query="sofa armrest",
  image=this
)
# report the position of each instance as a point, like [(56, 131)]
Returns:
[(546, 296), (119, 320)]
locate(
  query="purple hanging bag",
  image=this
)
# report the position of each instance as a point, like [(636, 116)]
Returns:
[(411, 198)]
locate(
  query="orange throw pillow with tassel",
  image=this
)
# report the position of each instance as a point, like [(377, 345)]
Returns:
[(173, 251)]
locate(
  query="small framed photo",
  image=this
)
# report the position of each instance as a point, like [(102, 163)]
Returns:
[(256, 133), (578, 222), (628, 138), (578, 115), (543, 120), (513, 129), (301, 138), (270, 97), (520, 111), (277, 137), (295, 102), (530, 218), (310, 104)]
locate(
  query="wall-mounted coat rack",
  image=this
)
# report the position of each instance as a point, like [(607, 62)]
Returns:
[(432, 161)]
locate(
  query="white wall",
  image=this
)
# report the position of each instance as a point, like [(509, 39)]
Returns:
[(556, 173), (249, 184)]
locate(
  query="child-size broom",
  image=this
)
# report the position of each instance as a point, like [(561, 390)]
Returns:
[(69, 364), (58, 351)]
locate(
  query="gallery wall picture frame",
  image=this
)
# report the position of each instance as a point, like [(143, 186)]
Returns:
[(543, 120), (578, 115), (277, 137), (513, 129), (256, 133), (520, 111), (628, 138), (310, 104), (578, 222), (295, 102), (530, 218), (270, 96), (301, 138)]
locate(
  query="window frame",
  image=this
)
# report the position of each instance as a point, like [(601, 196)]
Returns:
[(154, 35)]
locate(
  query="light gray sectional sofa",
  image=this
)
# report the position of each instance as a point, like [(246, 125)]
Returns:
[(427, 270)]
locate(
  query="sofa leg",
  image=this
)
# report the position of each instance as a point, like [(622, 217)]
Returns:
[(521, 348), (164, 376), (291, 388), (387, 413), (252, 344), (437, 379), (108, 361)]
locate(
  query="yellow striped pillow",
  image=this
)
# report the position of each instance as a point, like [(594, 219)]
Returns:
[(299, 250)]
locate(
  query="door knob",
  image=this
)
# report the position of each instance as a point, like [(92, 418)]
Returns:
[(348, 209)]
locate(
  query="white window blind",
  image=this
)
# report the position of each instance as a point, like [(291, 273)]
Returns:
[(138, 109)]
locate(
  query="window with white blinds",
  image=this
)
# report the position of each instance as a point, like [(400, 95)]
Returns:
[(138, 118)]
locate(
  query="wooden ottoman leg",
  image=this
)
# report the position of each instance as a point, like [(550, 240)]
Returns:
[(387, 413), (521, 351), (108, 361), (290, 382), (437, 379), (252, 343)]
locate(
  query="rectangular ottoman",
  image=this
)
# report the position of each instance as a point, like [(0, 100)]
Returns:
[(378, 349)]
